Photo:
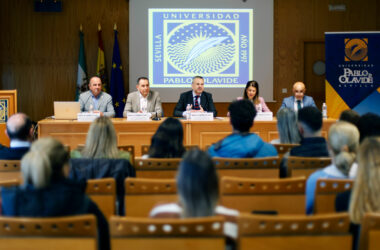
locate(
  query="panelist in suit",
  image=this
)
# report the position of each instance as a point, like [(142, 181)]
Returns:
[(199, 100), (299, 99), (96, 100), (20, 133), (143, 100)]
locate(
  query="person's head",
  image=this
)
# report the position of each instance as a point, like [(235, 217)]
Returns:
[(242, 114), (101, 141), (143, 86), (44, 162), (167, 142), (198, 85), (299, 90), (197, 184), (95, 85), (350, 116), (287, 126), (309, 121), (19, 127), (251, 91), (369, 125), (343, 143), (366, 189)]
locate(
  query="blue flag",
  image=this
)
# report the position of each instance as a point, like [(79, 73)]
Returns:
[(117, 82)]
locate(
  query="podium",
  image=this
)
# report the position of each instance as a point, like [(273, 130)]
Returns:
[(8, 106)]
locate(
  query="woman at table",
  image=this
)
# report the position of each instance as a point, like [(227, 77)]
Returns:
[(251, 92), (101, 142)]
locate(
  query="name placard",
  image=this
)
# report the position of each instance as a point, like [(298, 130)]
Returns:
[(138, 116), (205, 116), (264, 116), (87, 116)]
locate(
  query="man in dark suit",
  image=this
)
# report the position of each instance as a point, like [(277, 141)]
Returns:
[(199, 100), (20, 132), (299, 99)]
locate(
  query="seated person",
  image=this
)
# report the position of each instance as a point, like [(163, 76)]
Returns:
[(343, 141), (46, 191), (95, 100), (350, 116), (299, 99), (287, 127), (241, 143), (198, 191), (143, 100), (251, 92), (20, 133), (167, 142), (199, 100), (101, 142), (369, 125)]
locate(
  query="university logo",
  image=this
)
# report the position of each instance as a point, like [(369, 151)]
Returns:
[(216, 44), (356, 49)]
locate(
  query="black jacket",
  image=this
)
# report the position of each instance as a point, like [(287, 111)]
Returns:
[(187, 98)]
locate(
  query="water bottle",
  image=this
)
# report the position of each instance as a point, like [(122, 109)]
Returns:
[(324, 110), (188, 111)]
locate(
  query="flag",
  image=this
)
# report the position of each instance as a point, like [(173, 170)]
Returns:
[(117, 82), (82, 69), (101, 64)]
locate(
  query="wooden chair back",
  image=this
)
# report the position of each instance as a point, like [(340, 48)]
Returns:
[(103, 193), (294, 232), (267, 167), (145, 148), (157, 167), (305, 166), (370, 232), (169, 234), (142, 195), (60, 233), (283, 148), (10, 170), (8, 183), (131, 150), (326, 192), (267, 196)]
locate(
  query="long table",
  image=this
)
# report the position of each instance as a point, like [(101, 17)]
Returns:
[(137, 133)]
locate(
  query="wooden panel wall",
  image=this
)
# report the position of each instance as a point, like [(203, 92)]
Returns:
[(39, 51)]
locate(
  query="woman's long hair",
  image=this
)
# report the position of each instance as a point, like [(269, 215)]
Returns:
[(197, 184), (255, 85), (101, 140), (287, 126), (365, 193)]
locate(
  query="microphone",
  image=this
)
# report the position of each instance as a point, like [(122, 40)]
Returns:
[(156, 118)]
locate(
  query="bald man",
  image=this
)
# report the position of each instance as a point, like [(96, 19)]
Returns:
[(299, 99), (20, 132)]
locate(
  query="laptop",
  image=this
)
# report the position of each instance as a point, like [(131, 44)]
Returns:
[(66, 110)]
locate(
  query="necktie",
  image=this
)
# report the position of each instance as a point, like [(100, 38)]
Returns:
[(196, 103), (298, 105)]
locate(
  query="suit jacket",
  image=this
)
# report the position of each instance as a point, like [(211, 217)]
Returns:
[(104, 103), (13, 153), (133, 103), (288, 102), (187, 98)]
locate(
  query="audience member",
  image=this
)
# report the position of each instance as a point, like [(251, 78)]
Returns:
[(241, 143), (251, 92), (287, 127), (167, 142), (343, 142), (299, 99), (350, 116), (20, 133), (47, 193), (198, 99), (369, 125)]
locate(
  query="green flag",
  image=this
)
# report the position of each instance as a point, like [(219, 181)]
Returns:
[(82, 69)]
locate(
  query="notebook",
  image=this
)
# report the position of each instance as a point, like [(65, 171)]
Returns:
[(66, 110)]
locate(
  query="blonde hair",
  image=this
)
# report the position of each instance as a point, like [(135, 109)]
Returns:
[(365, 193), (343, 140), (44, 162), (101, 140)]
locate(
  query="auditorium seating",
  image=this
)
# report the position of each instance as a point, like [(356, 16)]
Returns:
[(283, 148), (59, 233), (157, 167), (169, 234), (305, 166), (315, 232), (268, 196), (103, 193), (145, 148), (141, 195), (326, 192), (370, 232), (130, 149), (10, 170)]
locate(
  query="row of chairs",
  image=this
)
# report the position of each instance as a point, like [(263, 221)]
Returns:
[(255, 232)]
